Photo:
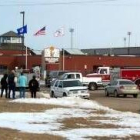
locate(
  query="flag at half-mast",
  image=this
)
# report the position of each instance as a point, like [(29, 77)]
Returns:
[(42, 31), (22, 30), (59, 32)]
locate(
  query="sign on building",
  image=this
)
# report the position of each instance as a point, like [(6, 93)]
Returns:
[(51, 55)]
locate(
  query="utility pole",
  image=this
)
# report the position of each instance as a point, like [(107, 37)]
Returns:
[(71, 31)]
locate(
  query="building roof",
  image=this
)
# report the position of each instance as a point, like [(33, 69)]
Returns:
[(74, 51), (10, 34), (113, 51)]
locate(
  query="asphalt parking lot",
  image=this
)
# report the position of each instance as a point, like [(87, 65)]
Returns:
[(120, 103)]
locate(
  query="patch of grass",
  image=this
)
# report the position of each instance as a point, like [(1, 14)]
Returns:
[(84, 123), (6, 106), (8, 134)]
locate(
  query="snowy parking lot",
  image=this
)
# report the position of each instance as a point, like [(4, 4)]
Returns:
[(100, 121)]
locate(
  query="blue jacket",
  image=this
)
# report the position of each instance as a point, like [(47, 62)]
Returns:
[(22, 81)]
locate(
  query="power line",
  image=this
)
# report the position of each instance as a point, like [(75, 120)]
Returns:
[(58, 3)]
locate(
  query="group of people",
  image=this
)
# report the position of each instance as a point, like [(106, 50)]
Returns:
[(8, 84)]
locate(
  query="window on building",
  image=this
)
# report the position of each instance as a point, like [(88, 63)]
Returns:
[(3, 69)]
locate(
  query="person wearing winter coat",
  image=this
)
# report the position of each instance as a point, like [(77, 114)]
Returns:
[(33, 86), (4, 85), (22, 82), (11, 84)]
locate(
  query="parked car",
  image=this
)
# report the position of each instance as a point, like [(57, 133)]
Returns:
[(69, 87), (91, 82), (122, 87), (53, 75)]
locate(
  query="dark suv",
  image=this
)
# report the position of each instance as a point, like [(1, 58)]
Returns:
[(53, 75)]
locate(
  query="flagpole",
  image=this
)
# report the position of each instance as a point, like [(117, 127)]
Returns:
[(26, 57), (63, 60), (23, 13)]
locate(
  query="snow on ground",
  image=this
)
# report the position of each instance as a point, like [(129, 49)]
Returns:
[(47, 122)]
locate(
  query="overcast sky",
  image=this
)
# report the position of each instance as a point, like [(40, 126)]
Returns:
[(96, 23)]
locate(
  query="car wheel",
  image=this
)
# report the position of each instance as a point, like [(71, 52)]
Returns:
[(64, 95), (52, 94), (92, 86), (106, 93), (125, 95), (135, 95), (116, 93)]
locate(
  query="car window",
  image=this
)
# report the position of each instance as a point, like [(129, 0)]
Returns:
[(60, 84), (114, 82), (71, 76), (103, 71), (73, 83), (53, 74), (56, 83), (61, 73), (77, 76), (126, 83)]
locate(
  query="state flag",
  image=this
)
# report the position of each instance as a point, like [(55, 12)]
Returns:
[(59, 32), (22, 30)]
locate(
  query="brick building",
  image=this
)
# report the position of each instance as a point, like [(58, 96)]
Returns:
[(78, 60), (12, 53)]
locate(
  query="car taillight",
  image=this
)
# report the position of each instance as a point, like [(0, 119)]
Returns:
[(121, 87)]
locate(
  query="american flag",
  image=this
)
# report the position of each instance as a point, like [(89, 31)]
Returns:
[(40, 32)]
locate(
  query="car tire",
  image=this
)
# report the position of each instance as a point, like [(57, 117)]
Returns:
[(92, 86), (106, 93), (116, 93), (125, 95), (52, 94), (135, 95), (64, 95)]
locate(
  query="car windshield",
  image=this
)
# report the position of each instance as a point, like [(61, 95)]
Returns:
[(61, 73), (72, 83), (53, 74), (126, 83)]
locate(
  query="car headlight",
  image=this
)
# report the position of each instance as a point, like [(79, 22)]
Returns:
[(84, 91)]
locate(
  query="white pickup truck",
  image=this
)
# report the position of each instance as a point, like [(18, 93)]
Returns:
[(92, 82)]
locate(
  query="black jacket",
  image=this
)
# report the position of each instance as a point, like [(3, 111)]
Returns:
[(33, 85), (11, 81), (4, 83)]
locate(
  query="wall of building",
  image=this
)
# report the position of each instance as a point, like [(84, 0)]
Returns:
[(31, 61), (76, 63), (18, 61)]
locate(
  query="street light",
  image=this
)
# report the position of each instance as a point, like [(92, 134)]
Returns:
[(71, 31), (129, 33), (23, 15)]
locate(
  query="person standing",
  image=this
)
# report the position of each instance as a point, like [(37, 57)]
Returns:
[(33, 86), (4, 85), (12, 84), (22, 81)]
